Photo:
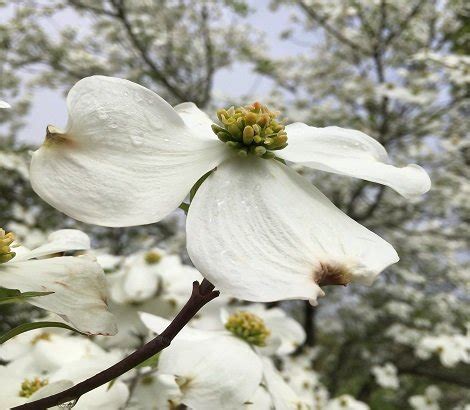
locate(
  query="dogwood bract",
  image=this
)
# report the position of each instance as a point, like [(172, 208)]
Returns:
[(201, 367), (78, 283), (255, 228)]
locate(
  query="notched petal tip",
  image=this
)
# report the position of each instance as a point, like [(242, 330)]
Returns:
[(55, 136)]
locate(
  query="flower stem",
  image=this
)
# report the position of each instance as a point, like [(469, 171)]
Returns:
[(202, 293)]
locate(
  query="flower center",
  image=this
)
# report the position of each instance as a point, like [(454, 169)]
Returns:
[(29, 387), (41, 336), (6, 239), (152, 257), (248, 327), (253, 129)]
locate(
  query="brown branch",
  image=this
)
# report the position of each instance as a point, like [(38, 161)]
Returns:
[(443, 375), (87, 7), (309, 324), (373, 206), (202, 293)]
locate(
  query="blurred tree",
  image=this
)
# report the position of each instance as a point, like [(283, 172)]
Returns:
[(172, 47), (395, 69)]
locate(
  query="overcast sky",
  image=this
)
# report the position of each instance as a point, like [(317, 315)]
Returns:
[(49, 105)]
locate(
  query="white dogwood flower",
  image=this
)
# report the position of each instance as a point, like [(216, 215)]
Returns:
[(48, 363), (428, 401), (198, 355), (285, 333), (4, 104), (255, 228), (213, 369), (451, 349), (346, 402), (78, 283), (386, 376)]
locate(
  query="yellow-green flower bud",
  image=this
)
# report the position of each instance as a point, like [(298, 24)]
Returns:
[(251, 118), (248, 327), (248, 134), (234, 130), (269, 155), (259, 151), (6, 239), (242, 152), (221, 114)]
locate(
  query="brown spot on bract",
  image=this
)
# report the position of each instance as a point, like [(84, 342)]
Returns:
[(55, 137), (332, 274)]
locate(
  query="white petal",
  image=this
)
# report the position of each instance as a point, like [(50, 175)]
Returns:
[(157, 392), (126, 157), (79, 288), (260, 401), (289, 331), (196, 119), (140, 284), (350, 152), (4, 104), (105, 397), (50, 389), (283, 397), (158, 324), (259, 232), (59, 241), (221, 373)]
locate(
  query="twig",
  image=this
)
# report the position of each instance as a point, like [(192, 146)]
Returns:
[(323, 21), (202, 293)]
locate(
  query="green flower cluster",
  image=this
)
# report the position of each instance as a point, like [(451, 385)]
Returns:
[(249, 327), (6, 239), (29, 387), (253, 129)]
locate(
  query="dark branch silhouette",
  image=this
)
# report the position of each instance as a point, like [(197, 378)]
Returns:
[(202, 293)]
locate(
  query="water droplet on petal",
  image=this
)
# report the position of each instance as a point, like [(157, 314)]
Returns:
[(102, 115), (137, 139)]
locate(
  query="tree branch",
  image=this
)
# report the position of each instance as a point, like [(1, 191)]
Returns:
[(309, 324), (446, 376), (404, 23), (121, 14), (206, 35), (330, 29), (202, 293)]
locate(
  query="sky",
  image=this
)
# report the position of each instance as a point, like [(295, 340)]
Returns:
[(48, 105)]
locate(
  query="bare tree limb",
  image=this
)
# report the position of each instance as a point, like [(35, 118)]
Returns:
[(404, 23), (121, 13), (330, 29)]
